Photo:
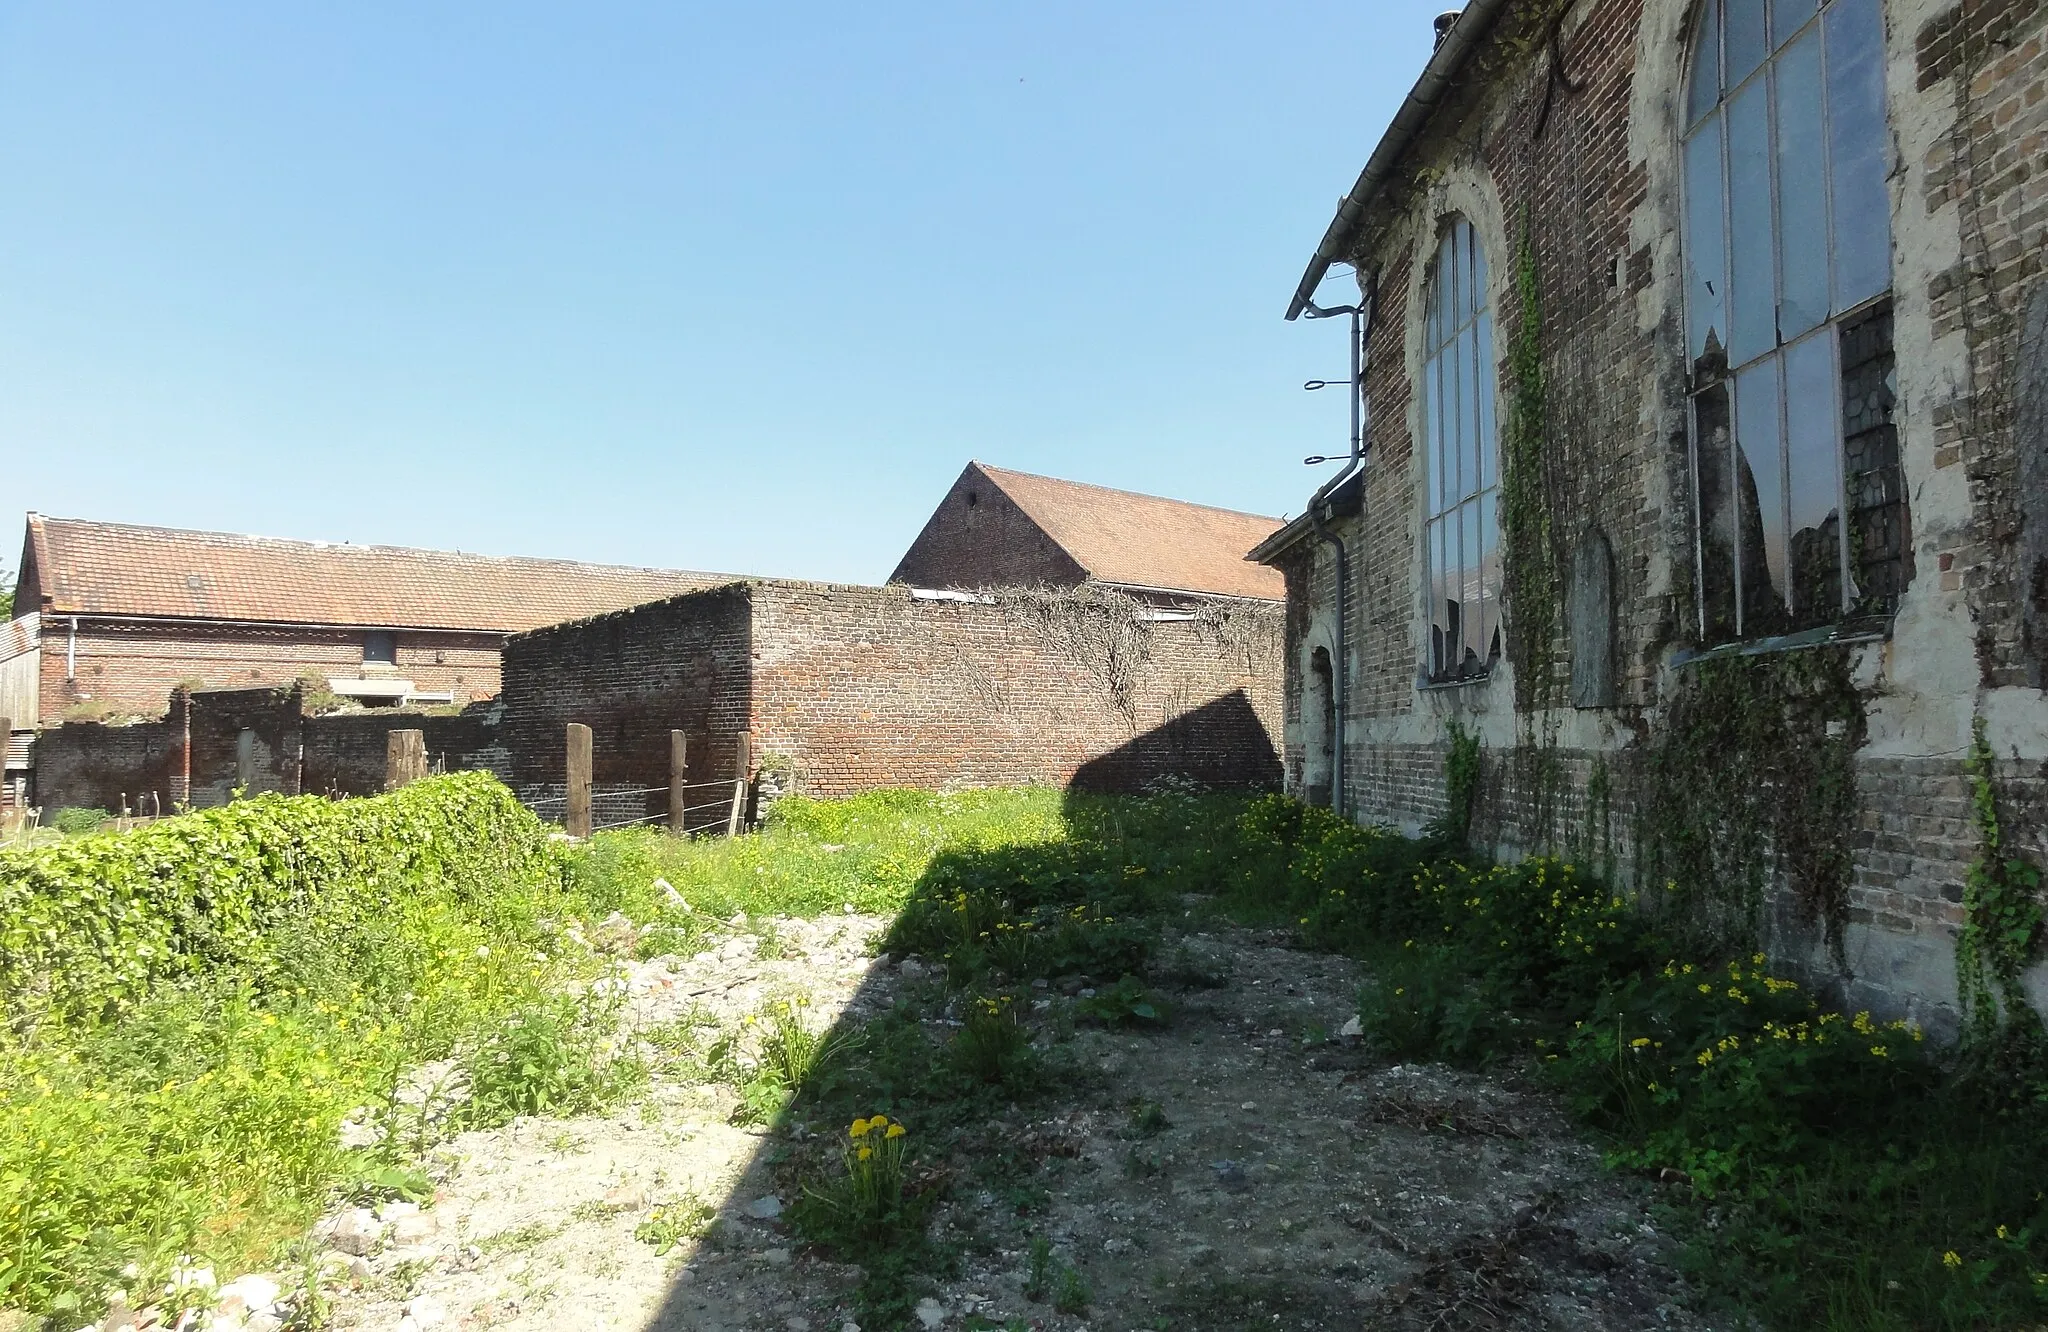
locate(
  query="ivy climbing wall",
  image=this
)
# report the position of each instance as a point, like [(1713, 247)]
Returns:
[(1814, 797)]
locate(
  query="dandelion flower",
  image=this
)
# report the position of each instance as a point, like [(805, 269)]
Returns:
[(1951, 1259), (895, 1131), (866, 1152), (860, 1129)]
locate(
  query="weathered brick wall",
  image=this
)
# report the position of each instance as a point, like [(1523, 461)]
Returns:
[(978, 537), (1578, 141), (198, 754), (862, 687), (868, 687), (343, 754), (131, 667), (1988, 56), (632, 677), (86, 765)]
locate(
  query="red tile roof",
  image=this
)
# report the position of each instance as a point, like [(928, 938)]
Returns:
[(1146, 541), (92, 568)]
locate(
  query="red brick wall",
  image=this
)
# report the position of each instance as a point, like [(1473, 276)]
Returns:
[(632, 677), (863, 687), (195, 753), (131, 667)]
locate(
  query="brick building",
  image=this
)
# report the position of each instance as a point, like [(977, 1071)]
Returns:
[(998, 528), (115, 616), (1704, 374), (849, 688)]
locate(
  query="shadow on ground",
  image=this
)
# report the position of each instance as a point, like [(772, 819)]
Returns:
[(1126, 1103)]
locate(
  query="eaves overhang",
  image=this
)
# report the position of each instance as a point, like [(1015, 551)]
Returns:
[(1346, 501), (1438, 78)]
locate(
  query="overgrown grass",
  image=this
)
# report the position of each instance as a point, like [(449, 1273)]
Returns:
[(192, 1105), (1826, 1171)]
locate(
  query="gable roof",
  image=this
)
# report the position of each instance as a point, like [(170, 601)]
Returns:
[(1145, 541), (74, 566)]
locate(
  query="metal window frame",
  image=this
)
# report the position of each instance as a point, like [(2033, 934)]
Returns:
[(1716, 121), (1448, 522)]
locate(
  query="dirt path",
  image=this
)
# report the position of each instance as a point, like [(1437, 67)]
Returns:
[(1283, 1179)]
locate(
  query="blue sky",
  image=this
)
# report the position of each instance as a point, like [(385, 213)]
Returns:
[(724, 287)]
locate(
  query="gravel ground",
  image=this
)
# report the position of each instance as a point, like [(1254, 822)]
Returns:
[(1287, 1180)]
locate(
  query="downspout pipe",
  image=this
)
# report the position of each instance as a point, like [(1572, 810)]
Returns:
[(1362, 318)]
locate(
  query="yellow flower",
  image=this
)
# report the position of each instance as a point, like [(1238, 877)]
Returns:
[(895, 1131), (1951, 1259), (2001, 1232), (1639, 1042), (866, 1152), (860, 1129), (879, 1121)]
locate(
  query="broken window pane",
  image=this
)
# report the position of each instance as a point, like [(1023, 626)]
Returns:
[(1705, 92), (1471, 592), (1745, 44), (1489, 577), (1754, 298), (1880, 542), (1760, 501), (1801, 509), (1857, 140), (1802, 190), (1814, 481), (1714, 491), (1706, 305), (1460, 414)]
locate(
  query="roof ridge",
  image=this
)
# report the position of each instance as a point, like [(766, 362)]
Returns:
[(306, 543), (993, 472)]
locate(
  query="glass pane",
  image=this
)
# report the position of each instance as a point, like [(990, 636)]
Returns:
[(1489, 390), (1755, 297), (1440, 635), (1704, 92), (1802, 190), (1454, 293), (1706, 246), (1863, 218), (1471, 593), (1433, 314), (1814, 480), (1787, 16), (1745, 44), (1458, 423), (1433, 423), (1480, 292), (1715, 492), (1760, 501), (1490, 640)]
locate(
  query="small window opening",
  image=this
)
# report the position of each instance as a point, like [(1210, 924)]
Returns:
[(380, 649)]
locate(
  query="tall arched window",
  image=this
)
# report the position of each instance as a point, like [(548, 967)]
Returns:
[(1461, 533), (1788, 317)]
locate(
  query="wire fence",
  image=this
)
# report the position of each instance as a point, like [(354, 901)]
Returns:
[(613, 808)]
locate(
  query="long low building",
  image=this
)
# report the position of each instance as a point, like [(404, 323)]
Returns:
[(112, 617)]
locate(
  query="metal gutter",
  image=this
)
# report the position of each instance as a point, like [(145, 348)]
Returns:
[(1437, 79)]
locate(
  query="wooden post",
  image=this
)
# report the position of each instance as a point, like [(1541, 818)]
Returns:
[(577, 818), (678, 781), (405, 758), (742, 748)]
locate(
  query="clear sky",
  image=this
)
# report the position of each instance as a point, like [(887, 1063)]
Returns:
[(727, 287)]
